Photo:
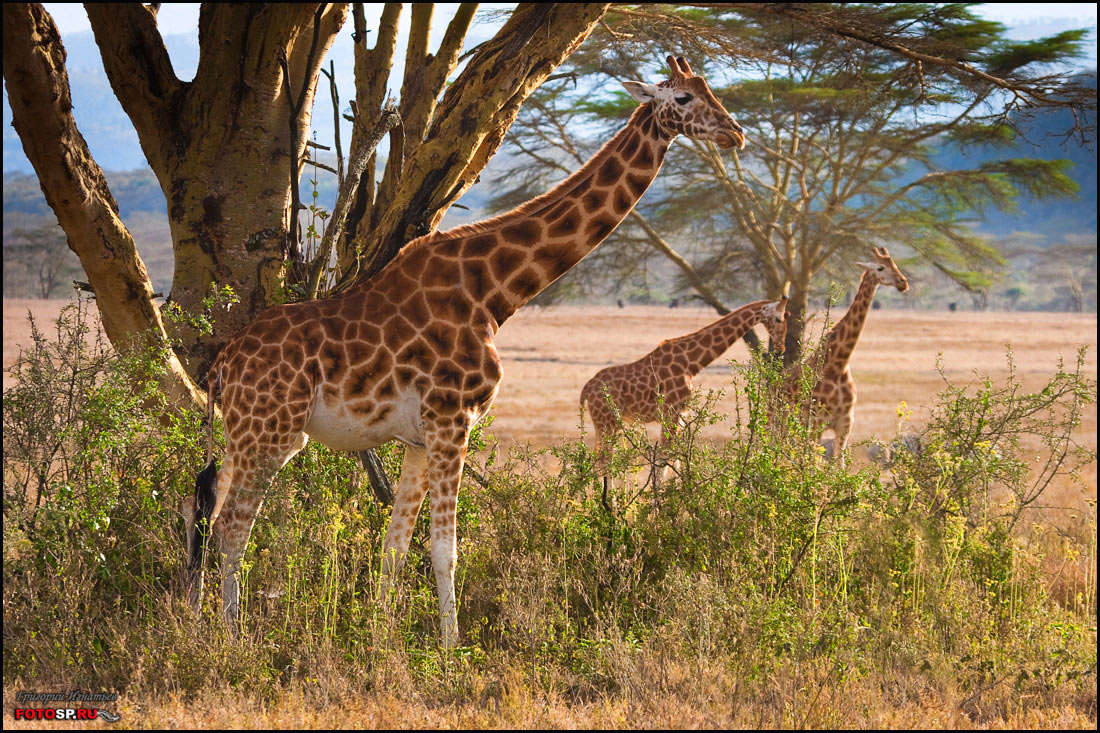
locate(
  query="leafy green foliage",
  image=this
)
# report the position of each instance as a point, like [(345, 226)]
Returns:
[(219, 299)]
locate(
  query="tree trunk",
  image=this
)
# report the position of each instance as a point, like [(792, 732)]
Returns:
[(796, 327), (220, 144), (76, 190)]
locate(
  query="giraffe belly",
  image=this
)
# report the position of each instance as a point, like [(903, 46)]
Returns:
[(341, 429)]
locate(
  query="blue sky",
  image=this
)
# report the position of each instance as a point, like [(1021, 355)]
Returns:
[(1031, 19), (1025, 20)]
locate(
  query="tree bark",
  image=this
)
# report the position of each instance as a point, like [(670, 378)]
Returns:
[(219, 145), (76, 190), (372, 70), (796, 327)]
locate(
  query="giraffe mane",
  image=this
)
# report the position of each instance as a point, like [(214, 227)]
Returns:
[(695, 334), (544, 200)]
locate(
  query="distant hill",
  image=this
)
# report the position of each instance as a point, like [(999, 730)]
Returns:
[(1043, 137)]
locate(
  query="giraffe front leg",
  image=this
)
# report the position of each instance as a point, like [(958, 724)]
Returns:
[(446, 455), (411, 489), (842, 428)]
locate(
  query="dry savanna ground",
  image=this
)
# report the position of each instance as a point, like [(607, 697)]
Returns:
[(548, 354)]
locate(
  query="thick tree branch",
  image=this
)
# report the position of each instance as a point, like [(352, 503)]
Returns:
[(141, 75), (424, 79), (76, 190), (372, 69), (476, 110), (356, 166)]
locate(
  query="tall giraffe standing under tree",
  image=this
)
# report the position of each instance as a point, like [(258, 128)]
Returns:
[(409, 354), (833, 398), (655, 387)]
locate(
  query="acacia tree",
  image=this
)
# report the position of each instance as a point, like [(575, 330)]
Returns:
[(843, 137), (224, 144), (37, 263)]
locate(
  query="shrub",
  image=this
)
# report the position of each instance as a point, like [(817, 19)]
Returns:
[(758, 556)]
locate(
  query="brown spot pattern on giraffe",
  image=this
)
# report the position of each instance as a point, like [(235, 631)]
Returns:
[(656, 386)]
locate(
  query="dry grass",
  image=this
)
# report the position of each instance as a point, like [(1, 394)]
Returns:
[(548, 355), (704, 697)]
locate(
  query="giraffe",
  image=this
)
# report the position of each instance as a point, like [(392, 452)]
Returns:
[(410, 355), (833, 397), (655, 387)]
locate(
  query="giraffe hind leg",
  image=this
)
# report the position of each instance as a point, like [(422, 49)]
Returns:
[(240, 496)]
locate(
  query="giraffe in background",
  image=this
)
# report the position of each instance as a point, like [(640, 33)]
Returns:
[(655, 387), (409, 354), (833, 398)]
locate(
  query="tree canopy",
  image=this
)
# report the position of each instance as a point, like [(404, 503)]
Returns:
[(844, 139)]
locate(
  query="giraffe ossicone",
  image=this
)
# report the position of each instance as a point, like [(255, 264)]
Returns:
[(409, 354)]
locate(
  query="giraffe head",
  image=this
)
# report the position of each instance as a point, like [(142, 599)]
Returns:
[(775, 321), (685, 105), (884, 271)]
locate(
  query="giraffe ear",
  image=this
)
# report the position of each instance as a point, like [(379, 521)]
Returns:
[(641, 91), (867, 265)]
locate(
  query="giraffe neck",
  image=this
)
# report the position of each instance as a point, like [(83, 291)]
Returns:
[(528, 248), (697, 350), (845, 334)]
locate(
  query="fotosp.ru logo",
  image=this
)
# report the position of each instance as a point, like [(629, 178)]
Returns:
[(64, 713)]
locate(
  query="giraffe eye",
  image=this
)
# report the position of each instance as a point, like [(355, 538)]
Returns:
[(683, 98), (881, 268)]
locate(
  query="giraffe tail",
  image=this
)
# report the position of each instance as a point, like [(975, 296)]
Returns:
[(205, 484), (205, 496)]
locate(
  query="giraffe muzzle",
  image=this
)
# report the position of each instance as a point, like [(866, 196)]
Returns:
[(726, 139)]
